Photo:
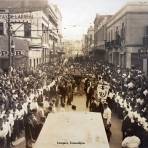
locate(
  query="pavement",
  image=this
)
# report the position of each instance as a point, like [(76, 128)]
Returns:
[(79, 101)]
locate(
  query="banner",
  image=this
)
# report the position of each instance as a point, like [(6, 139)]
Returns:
[(103, 90), (6, 53)]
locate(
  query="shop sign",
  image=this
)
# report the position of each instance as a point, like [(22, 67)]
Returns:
[(17, 16), (4, 53)]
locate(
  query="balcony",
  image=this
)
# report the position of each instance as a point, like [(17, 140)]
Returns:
[(113, 44)]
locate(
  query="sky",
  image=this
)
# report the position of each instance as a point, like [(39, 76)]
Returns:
[(78, 15)]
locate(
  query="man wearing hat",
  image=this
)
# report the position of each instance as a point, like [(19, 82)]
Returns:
[(131, 141)]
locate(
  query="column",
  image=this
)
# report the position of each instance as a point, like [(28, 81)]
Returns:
[(128, 60), (145, 66)]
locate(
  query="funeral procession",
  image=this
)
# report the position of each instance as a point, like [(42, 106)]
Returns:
[(73, 73)]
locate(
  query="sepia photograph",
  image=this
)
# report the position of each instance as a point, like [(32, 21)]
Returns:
[(73, 73)]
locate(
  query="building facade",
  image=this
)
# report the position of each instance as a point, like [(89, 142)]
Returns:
[(39, 28), (100, 31), (126, 31)]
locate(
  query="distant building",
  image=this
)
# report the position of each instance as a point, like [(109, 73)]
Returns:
[(72, 48), (127, 34), (99, 50), (88, 41)]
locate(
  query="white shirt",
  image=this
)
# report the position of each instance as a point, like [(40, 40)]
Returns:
[(145, 92), (11, 120), (33, 105), (88, 90), (130, 85), (111, 95), (117, 98), (107, 115), (5, 130), (25, 107), (131, 142), (20, 114)]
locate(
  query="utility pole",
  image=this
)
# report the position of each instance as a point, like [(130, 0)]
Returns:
[(9, 39)]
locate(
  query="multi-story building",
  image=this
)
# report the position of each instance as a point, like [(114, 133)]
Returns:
[(56, 26), (100, 22), (90, 38), (40, 28), (126, 31)]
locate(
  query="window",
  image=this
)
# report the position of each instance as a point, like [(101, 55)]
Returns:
[(1, 29), (18, 53), (146, 30), (27, 30)]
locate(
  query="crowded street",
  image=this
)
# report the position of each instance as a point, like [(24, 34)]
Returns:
[(75, 86), (73, 74)]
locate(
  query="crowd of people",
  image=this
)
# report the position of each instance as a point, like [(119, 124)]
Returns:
[(127, 97), (26, 98)]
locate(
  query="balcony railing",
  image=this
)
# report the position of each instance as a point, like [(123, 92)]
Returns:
[(113, 44)]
